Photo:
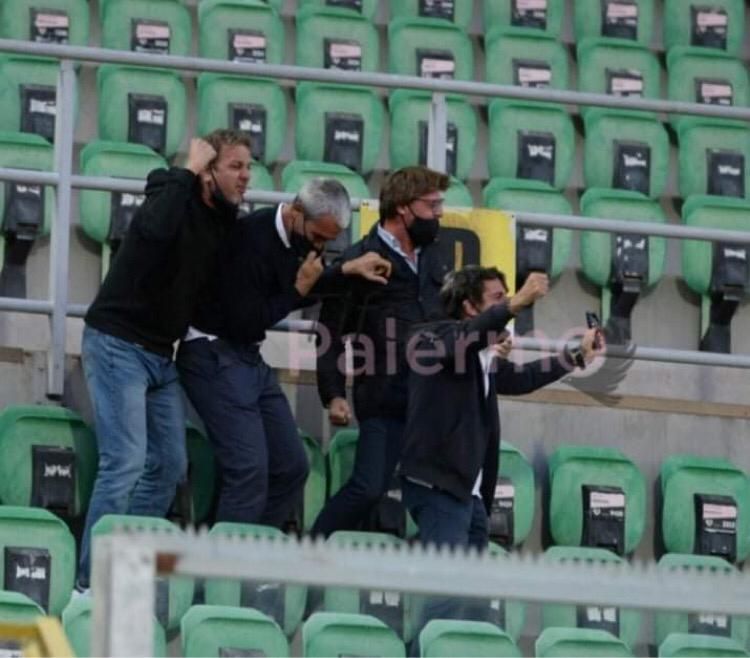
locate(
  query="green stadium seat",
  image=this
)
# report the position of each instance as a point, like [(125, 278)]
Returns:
[(315, 486), (701, 75), (667, 624), (508, 615), (410, 112), (245, 31), (622, 623), (452, 11), (45, 21), (458, 195), (626, 264), (28, 95), (705, 507), (430, 48), (392, 608), (173, 594), (130, 111), (717, 24), (106, 216), (530, 140), (542, 15), (17, 608), (327, 634), (623, 149), (591, 490), (212, 630), (619, 19), (76, 620), (537, 197), (47, 459), (714, 158), (39, 556), (365, 7), (526, 58), (333, 38), (254, 106), (27, 209), (513, 506), (580, 642), (160, 27), (195, 498), (443, 638), (618, 67), (341, 452), (298, 172), (339, 123), (716, 271), (285, 604), (683, 645)]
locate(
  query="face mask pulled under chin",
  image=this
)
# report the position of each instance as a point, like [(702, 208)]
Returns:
[(302, 246), (423, 230), (220, 200)]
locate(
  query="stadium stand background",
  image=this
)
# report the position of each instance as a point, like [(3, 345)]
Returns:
[(657, 410)]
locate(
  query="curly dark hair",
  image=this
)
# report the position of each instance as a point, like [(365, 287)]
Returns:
[(405, 185)]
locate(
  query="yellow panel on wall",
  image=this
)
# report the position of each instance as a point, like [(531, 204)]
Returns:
[(471, 236)]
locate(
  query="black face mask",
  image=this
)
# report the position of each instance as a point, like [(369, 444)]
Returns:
[(301, 245), (423, 230), (221, 203)]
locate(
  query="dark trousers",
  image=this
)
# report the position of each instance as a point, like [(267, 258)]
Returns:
[(261, 459), (378, 451), (446, 521)]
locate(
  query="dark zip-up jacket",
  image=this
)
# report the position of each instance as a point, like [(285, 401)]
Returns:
[(378, 318), (453, 427), (162, 268)]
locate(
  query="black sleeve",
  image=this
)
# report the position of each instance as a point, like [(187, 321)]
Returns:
[(244, 278), (168, 193), (475, 334), (332, 324), (512, 379)]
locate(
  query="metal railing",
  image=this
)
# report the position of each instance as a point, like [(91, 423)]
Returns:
[(126, 563), (57, 308)]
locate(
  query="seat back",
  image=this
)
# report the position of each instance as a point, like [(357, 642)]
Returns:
[(619, 19), (718, 24), (147, 26), (337, 634), (45, 21)]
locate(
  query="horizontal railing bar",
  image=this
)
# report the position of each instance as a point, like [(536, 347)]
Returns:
[(658, 354), (385, 80), (678, 231)]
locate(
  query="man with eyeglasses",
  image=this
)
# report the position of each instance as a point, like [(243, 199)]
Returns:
[(377, 321)]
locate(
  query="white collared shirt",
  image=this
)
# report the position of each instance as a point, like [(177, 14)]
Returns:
[(393, 243), (486, 358)]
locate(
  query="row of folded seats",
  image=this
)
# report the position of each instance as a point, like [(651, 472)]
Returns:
[(164, 26), (244, 616), (622, 268)]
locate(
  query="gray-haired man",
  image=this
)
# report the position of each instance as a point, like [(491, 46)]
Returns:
[(270, 265)]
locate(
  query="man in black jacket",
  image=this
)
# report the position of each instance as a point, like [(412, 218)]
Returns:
[(377, 319), (144, 305), (270, 265), (449, 463)]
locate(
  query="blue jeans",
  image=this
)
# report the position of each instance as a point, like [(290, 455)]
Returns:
[(446, 521), (378, 451), (262, 461), (140, 431)]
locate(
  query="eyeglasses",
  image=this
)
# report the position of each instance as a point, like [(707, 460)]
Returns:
[(434, 204)]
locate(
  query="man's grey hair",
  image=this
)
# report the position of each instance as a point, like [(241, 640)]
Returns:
[(320, 197)]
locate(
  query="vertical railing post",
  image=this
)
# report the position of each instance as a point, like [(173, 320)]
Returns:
[(437, 133), (60, 243), (122, 586)]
